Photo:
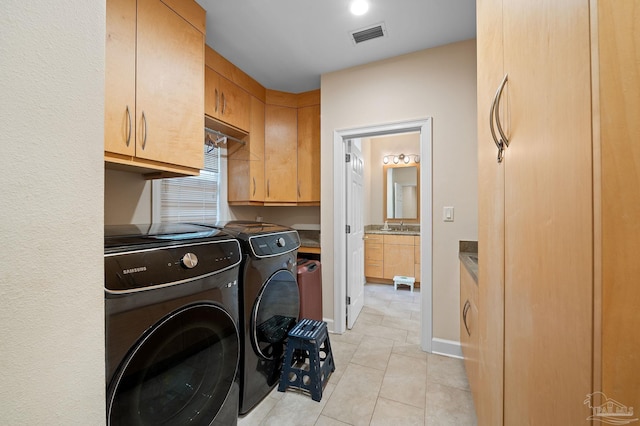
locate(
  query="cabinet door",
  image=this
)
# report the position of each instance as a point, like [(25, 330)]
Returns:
[(619, 79), (281, 158), (416, 258), (246, 162), (256, 158), (169, 87), (309, 154), (235, 105), (398, 256), (490, 218), (120, 77), (548, 213), (469, 328), (211, 92)]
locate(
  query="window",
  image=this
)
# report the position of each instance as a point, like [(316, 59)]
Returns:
[(192, 198)]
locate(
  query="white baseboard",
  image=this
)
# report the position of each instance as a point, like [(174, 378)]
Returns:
[(330, 325), (449, 348)]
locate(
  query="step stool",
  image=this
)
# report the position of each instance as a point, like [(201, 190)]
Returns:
[(402, 280), (308, 362)]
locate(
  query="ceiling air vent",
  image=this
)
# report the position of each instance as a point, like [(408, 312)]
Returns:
[(369, 33)]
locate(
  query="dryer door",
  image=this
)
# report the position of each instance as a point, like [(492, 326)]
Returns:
[(179, 373), (275, 312)]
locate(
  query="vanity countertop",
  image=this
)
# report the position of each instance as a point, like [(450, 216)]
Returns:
[(468, 255), (394, 229)]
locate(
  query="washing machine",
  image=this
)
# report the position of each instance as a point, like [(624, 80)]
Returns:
[(171, 317), (269, 303)]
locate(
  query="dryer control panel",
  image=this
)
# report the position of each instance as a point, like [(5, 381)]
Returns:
[(275, 244)]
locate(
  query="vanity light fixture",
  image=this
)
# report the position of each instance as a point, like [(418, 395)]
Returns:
[(405, 158), (359, 7)]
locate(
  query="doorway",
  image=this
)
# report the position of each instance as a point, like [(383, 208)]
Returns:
[(341, 138)]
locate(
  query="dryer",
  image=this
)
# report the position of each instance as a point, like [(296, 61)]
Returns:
[(171, 317), (269, 303)]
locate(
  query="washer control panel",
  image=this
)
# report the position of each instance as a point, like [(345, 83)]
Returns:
[(141, 269)]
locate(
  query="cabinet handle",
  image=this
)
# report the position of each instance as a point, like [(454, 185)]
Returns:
[(144, 130), (224, 103), (465, 310), (254, 186), (267, 187), (503, 137), (129, 125), (494, 116), (216, 109), (299, 190)]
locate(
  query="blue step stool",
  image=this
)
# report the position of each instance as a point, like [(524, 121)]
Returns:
[(308, 362)]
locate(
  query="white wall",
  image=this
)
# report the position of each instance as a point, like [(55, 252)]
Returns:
[(438, 83), (51, 168), (127, 198)]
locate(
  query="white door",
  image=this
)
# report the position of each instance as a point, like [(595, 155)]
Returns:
[(355, 236)]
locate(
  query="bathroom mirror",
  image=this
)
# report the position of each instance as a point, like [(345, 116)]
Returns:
[(401, 192)]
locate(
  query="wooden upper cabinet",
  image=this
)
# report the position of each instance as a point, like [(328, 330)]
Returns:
[(246, 162), (120, 77), (169, 83), (156, 102), (281, 156), (227, 102), (309, 154)]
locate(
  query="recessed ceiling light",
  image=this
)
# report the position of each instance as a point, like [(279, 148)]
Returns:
[(359, 7)]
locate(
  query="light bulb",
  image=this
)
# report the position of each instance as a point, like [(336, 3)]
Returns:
[(395, 159), (407, 159), (359, 7), (385, 160)]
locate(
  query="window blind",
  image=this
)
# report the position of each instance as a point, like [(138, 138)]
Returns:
[(193, 198)]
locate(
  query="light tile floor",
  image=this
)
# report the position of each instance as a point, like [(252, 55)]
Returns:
[(382, 376)]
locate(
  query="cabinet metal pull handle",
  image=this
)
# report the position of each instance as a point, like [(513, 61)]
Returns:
[(465, 310), (493, 116), (144, 130), (216, 108), (224, 104), (299, 190), (503, 137), (254, 186), (267, 187), (130, 126)]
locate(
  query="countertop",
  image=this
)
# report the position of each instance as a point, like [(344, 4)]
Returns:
[(468, 255), (309, 238), (395, 229)]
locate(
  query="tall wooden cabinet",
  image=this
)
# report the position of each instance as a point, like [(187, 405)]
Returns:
[(246, 162), (546, 230), (281, 154), (617, 201), (154, 85), (292, 148), (309, 154)]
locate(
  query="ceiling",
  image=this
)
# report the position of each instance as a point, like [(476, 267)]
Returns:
[(287, 44)]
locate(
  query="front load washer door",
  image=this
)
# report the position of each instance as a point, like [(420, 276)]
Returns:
[(179, 373), (275, 312)]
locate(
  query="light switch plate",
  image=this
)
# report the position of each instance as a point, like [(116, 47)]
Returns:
[(447, 214)]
